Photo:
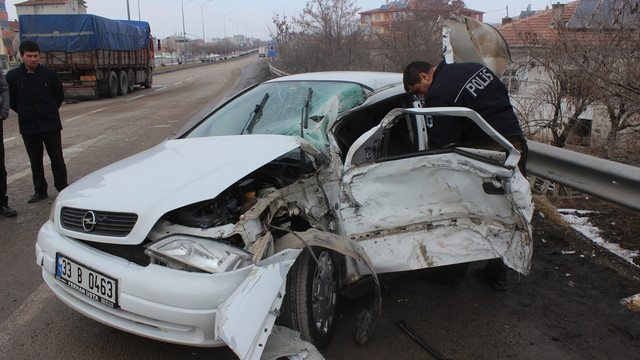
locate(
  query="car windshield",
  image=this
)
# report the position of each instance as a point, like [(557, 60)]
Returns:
[(285, 108)]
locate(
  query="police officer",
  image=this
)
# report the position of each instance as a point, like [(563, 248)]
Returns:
[(473, 86), (469, 85)]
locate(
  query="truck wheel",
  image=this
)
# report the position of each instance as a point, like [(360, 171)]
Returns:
[(309, 304), (112, 84), (149, 81), (123, 83), (132, 79)]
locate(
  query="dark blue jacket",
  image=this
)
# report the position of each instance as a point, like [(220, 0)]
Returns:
[(36, 98), (474, 86)]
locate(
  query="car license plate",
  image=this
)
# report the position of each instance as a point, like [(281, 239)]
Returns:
[(91, 283)]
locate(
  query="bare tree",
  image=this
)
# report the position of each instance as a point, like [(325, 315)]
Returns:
[(558, 86), (327, 36), (413, 34), (169, 45), (590, 69)]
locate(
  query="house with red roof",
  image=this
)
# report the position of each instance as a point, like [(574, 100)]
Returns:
[(380, 20), (531, 85)]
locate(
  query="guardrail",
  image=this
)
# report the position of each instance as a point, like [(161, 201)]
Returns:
[(609, 180), (277, 72)]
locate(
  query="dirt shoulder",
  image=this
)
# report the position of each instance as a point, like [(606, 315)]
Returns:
[(568, 307)]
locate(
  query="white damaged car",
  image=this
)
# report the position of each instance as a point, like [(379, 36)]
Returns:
[(290, 192)]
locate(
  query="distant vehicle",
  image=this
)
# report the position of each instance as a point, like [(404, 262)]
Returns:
[(262, 50), (94, 56)]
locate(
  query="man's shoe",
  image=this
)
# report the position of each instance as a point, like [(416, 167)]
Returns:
[(7, 211), (37, 197)]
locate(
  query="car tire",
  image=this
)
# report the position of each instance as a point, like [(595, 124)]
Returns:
[(123, 83), (309, 305), (112, 84)]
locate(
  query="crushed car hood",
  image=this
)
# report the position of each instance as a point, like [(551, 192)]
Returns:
[(168, 176)]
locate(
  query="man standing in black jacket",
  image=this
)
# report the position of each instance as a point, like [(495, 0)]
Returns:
[(36, 94)]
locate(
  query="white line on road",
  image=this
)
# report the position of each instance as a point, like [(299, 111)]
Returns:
[(136, 97), (178, 83), (11, 138), (83, 115), (189, 79), (24, 314), (69, 153)]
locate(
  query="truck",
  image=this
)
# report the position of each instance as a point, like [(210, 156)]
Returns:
[(262, 50), (94, 56)]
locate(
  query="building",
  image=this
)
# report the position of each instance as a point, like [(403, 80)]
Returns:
[(4, 16), (539, 93), (10, 31), (34, 7), (380, 20)]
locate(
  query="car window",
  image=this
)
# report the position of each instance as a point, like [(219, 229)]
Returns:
[(279, 108)]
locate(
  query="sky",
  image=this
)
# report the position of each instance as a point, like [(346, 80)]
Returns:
[(249, 17)]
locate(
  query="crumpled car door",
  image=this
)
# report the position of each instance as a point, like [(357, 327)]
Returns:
[(430, 208)]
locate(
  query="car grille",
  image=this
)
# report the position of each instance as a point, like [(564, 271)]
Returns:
[(97, 222)]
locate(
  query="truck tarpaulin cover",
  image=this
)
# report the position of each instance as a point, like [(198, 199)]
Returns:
[(83, 32)]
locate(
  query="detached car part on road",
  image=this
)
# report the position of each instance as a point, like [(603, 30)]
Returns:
[(294, 189)]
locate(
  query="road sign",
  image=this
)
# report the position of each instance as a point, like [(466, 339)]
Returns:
[(271, 50)]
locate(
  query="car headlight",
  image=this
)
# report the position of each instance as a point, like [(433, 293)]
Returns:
[(190, 253)]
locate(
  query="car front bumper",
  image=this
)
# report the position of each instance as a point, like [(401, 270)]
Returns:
[(154, 301)]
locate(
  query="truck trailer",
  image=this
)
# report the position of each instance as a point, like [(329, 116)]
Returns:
[(94, 56), (262, 50)]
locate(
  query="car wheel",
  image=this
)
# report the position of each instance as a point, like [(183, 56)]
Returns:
[(123, 83), (112, 84), (131, 76), (309, 305)]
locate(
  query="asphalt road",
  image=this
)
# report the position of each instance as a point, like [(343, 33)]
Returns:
[(568, 307)]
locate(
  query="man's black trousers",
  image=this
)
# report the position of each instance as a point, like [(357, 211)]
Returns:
[(52, 141)]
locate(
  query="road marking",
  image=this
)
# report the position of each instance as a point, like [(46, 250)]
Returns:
[(9, 139), (178, 83), (24, 314), (164, 88), (69, 153), (189, 79), (136, 97), (83, 115)]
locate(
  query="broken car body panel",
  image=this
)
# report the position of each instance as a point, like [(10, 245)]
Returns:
[(469, 40), (194, 176), (446, 216), (253, 308)]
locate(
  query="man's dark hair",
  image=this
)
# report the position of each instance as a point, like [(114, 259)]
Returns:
[(28, 45), (412, 72)]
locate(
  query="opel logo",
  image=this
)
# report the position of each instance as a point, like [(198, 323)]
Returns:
[(89, 221)]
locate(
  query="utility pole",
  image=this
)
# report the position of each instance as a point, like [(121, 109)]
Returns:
[(184, 34), (202, 15), (224, 23)]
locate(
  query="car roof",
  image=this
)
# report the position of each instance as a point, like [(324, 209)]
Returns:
[(369, 79)]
